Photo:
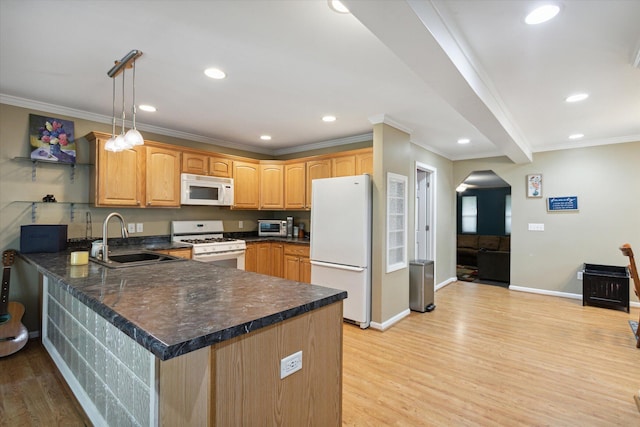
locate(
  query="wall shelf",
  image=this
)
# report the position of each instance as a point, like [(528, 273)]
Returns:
[(35, 205), (34, 165)]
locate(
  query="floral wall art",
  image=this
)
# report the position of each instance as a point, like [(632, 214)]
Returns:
[(51, 139)]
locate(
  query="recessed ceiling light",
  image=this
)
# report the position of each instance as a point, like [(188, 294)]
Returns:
[(577, 97), (265, 137), (215, 73), (149, 108), (542, 14), (464, 141), (337, 6), (329, 119), (576, 136)]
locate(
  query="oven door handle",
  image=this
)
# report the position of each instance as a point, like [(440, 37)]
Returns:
[(224, 253)]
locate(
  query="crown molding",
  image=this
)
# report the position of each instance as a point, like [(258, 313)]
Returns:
[(325, 144), (584, 143), (388, 120)]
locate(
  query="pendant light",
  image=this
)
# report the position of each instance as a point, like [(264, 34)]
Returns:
[(131, 138)]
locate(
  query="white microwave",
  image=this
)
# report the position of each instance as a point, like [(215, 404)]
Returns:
[(205, 190)]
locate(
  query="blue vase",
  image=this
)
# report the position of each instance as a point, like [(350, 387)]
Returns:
[(54, 149)]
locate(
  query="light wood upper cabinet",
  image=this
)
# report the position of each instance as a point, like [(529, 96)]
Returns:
[(197, 164), (272, 185), (294, 185), (316, 169), (220, 166), (117, 179), (163, 177), (343, 166), (246, 180), (364, 163)]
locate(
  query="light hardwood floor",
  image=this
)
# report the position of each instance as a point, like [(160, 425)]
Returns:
[(489, 356), (486, 356)]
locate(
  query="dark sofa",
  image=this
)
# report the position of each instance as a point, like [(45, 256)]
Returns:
[(491, 254)]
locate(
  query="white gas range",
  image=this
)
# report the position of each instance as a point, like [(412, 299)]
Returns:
[(208, 243)]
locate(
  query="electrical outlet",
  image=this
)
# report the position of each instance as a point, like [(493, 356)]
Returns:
[(579, 275), (240, 224), (536, 227), (139, 228), (290, 364), (131, 227)]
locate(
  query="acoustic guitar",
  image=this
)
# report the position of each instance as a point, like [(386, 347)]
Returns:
[(13, 334)]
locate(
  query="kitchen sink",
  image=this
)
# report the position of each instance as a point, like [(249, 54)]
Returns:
[(135, 259)]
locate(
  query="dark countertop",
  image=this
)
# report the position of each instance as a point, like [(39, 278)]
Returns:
[(177, 307), (276, 239)]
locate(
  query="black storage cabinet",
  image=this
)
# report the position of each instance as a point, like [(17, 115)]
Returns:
[(605, 286)]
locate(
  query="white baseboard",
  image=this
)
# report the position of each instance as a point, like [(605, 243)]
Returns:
[(390, 322), (34, 334), (446, 282), (557, 294)]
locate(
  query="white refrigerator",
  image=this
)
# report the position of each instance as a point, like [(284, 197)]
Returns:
[(341, 241)]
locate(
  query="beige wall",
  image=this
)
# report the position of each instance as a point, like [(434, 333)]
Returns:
[(605, 179), (390, 291)]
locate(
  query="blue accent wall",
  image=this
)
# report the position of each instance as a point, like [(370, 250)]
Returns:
[(491, 205)]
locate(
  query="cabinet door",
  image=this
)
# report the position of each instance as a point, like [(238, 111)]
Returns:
[(195, 163), (246, 183), (294, 185), (364, 163), (163, 177), (316, 169), (251, 257), (220, 166), (343, 166), (117, 178), (276, 255), (180, 253), (305, 270), (292, 267), (263, 252), (271, 186)]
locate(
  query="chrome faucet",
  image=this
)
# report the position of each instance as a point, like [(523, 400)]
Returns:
[(123, 229)]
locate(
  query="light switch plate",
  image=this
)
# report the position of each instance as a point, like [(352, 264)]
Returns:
[(536, 227), (139, 227), (131, 227)]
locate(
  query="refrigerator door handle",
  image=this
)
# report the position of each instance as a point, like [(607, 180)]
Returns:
[(337, 266)]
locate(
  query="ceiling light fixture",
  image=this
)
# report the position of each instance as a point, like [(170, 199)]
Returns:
[(148, 108), (464, 141), (329, 119), (265, 137), (576, 136), (215, 73), (337, 6), (132, 137), (542, 14), (577, 97)]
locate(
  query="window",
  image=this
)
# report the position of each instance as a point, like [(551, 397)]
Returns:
[(396, 222), (507, 214), (469, 214)]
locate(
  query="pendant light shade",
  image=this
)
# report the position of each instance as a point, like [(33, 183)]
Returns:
[(131, 138)]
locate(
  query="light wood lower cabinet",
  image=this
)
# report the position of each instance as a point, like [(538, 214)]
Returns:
[(180, 253), (296, 263), (237, 382), (264, 258)]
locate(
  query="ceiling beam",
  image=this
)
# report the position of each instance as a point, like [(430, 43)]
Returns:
[(416, 32)]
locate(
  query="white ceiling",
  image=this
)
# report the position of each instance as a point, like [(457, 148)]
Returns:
[(441, 70)]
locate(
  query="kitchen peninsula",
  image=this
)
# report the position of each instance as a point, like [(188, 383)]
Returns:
[(187, 343)]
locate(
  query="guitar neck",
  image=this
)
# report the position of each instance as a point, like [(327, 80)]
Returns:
[(4, 294)]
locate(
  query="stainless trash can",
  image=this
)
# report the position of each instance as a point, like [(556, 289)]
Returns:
[(421, 285)]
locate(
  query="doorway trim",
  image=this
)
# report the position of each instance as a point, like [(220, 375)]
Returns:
[(431, 201)]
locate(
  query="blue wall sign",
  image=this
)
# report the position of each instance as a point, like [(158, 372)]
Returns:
[(565, 203)]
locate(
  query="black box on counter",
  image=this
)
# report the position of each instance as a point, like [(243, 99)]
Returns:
[(43, 238)]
